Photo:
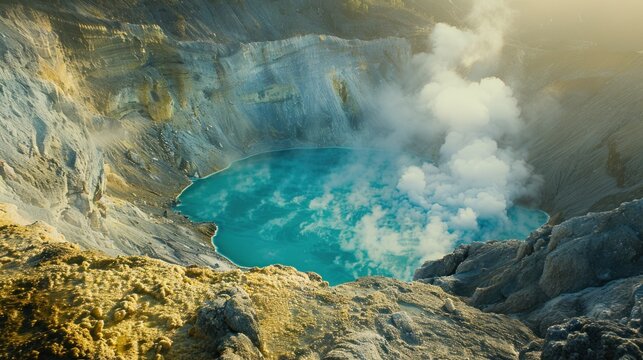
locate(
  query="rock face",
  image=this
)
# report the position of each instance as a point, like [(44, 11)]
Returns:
[(57, 301), (582, 338), (591, 170), (366, 345), (110, 106), (588, 266)]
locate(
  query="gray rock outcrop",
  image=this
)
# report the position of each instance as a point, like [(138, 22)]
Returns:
[(238, 347), (587, 266), (230, 322), (582, 338)]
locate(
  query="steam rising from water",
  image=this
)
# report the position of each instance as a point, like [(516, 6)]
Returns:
[(476, 175), (348, 214), (337, 212)]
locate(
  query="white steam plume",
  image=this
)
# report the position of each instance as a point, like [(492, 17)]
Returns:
[(476, 175)]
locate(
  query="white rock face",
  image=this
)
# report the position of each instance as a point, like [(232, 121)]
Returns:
[(104, 121)]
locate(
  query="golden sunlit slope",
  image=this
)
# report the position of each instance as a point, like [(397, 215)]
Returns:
[(57, 301)]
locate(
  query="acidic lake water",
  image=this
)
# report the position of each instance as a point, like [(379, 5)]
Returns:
[(336, 212)]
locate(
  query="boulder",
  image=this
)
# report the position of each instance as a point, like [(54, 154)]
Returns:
[(446, 267), (230, 313), (6, 171)]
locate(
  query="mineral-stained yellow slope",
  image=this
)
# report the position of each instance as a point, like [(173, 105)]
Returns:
[(57, 301)]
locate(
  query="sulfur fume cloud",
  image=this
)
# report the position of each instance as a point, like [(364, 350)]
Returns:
[(454, 104)]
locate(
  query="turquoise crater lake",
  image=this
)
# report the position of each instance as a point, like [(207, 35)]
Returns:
[(333, 211)]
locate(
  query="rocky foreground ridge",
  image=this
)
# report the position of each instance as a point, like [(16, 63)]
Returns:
[(58, 301), (590, 267)]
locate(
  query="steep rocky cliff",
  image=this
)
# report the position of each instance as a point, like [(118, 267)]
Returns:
[(585, 126), (106, 118)]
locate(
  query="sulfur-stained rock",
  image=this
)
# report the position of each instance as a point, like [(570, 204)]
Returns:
[(97, 313), (449, 305), (363, 345), (164, 344), (238, 347), (6, 171), (274, 312), (119, 315), (241, 316), (231, 312), (97, 330)]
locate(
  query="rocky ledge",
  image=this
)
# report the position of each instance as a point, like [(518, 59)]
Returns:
[(589, 266), (58, 301)]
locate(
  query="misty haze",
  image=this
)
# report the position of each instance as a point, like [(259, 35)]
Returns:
[(321, 180)]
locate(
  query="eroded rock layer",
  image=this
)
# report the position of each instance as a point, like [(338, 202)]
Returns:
[(108, 113)]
